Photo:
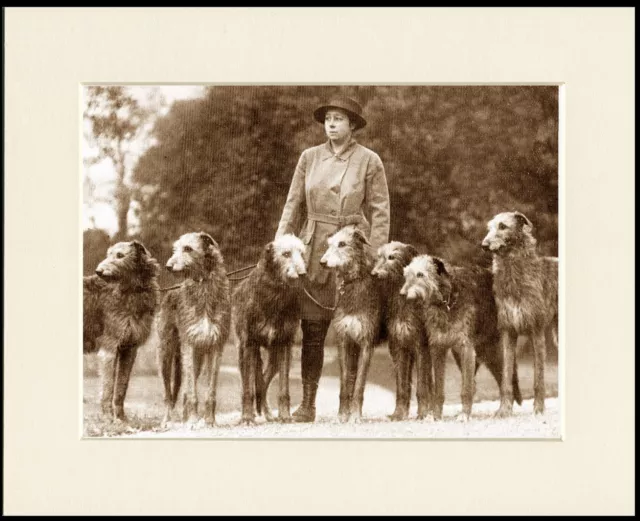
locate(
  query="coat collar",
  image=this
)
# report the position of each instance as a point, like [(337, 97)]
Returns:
[(327, 151)]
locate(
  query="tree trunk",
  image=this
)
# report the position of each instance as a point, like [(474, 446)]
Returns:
[(123, 201)]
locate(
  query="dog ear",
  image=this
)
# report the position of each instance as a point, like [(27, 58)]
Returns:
[(208, 242), (139, 248), (523, 220), (411, 251), (268, 257), (440, 267), (358, 234)]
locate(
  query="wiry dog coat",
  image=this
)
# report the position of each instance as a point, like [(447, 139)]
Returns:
[(267, 315), (119, 306)]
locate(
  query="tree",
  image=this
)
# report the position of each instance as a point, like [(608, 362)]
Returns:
[(117, 123), (454, 156)]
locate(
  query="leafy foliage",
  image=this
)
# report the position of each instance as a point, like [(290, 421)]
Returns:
[(454, 157), (116, 120)]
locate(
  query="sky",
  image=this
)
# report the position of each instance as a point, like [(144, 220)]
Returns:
[(102, 175)]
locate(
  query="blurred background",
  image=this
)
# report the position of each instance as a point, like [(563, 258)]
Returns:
[(160, 161)]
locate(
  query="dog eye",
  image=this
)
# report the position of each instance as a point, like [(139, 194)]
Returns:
[(286, 254), (420, 274), (187, 249), (502, 226), (119, 255), (392, 257), (341, 244)]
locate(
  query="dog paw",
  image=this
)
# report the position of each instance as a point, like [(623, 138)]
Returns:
[(355, 419), (503, 412), (463, 417), (193, 423), (285, 419), (426, 417), (343, 417), (120, 421), (248, 422), (538, 408)]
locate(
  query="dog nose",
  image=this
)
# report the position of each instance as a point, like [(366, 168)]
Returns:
[(323, 262), (485, 245), (99, 271), (168, 267)]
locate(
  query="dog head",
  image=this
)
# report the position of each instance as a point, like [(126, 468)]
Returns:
[(284, 257), (347, 248), (392, 258), (426, 278), (194, 255), (508, 230), (127, 261)]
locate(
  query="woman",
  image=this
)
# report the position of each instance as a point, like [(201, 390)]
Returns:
[(337, 183)]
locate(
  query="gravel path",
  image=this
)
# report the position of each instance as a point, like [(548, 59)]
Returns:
[(378, 403)]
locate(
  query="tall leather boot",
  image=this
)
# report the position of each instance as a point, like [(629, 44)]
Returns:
[(314, 333)]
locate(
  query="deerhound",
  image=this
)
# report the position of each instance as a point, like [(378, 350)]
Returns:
[(359, 314), (119, 305), (193, 325), (266, 313), (406, 331), (525, 286), (459, 314)]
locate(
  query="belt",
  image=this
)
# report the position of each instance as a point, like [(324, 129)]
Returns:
[(340, 220)]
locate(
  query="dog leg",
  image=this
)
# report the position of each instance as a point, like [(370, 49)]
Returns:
[(539, 360), (403, 365), (284, 398), (439, 356), (412, 359), (248, 368), (345, 398), (551, 335), (394, 352), (361, 381), (508, 347), (177, 377), (108, 359), (260, 385), (166, 366), (424, 385), (267, 377), (214, 371), (468, 360), (190, 402), (126, 359)]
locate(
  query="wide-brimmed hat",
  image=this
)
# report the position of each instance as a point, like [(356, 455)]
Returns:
[(349, 105)]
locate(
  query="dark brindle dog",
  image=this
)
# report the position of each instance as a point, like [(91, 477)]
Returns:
[(193, 325), (266, 314), (119, 306), (459, 314), (359, 315), (406, 331), (525, 286)]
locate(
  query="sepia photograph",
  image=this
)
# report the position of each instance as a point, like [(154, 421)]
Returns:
[(321, 261)]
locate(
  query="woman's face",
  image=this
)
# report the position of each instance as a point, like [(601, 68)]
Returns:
[(337, 125)]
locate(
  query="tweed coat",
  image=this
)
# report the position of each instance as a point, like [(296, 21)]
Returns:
[(328, 191)]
